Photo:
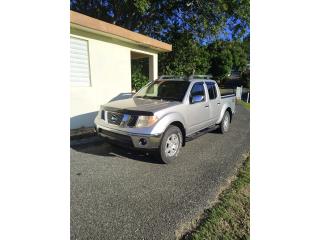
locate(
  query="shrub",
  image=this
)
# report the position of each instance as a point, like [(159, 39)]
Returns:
[(245, 77), (138, 78)]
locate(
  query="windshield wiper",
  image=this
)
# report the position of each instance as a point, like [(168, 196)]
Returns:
[(150, 97), (170, 98), (159, 98)]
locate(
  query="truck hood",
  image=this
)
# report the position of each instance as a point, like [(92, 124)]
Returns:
[(138, 106)]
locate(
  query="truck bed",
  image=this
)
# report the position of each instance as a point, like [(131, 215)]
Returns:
[(226, 92)]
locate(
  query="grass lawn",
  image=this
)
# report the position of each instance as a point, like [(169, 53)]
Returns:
[(230, 217), (246, 105)]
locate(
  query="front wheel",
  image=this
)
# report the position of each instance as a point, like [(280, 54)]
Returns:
[(171, 143), (225, 123)]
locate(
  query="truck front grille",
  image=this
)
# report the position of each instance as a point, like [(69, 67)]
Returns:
[(132, 121), (114, 118)]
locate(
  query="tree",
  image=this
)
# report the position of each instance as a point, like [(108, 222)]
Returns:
[(189, 25), (246, 46), (221, 63), (245, 77), (239, 55), (202, 18), (188, 56), (227, 56)]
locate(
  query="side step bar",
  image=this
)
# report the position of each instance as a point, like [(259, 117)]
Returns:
[(201, 132)]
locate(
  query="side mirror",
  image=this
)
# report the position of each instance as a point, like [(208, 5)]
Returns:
[(197, 98)]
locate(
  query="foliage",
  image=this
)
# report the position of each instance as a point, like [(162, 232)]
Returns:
[(204, 19), (227, 56), (245, 76), (246, 46), (230, 217), (244, 104), (239, 56), (221, 62), (138, 75), (187, 58), (239, 17), (194, 28)]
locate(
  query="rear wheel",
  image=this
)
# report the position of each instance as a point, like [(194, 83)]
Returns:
[(225, 123), (170, 145)]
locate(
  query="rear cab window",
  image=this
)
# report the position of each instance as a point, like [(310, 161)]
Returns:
[(211, 90)]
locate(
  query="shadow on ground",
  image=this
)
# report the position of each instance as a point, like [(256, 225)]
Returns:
[(217, 131), (108, 149)]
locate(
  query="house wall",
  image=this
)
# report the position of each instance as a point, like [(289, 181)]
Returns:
[(110, 75)]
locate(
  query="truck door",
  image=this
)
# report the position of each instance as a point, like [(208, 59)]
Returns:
[(214, 102), (198, 110)]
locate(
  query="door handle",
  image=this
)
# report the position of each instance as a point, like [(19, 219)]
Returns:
[(206, 106), (218, 103)]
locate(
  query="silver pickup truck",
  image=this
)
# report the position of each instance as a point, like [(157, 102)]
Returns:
[(165, 114)]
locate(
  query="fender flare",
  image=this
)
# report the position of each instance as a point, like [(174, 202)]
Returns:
[(223, 110), (166, 120)]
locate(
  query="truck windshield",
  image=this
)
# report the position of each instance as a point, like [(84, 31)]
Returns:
[(164, 90)]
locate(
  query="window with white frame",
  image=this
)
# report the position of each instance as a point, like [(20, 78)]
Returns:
[(79, 62)]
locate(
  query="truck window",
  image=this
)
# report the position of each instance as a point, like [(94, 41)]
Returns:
[(167, 90), (197, 89), (211, 90)]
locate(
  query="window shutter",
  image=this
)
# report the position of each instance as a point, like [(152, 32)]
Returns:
[(79, 62)]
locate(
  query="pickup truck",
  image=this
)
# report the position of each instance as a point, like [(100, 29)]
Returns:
[(166, 113)]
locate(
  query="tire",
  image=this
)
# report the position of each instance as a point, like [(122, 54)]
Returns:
[(170, 145), (225, 122)]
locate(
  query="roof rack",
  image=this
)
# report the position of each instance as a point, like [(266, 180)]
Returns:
[(187, 78), (171, 77), (200, 76)]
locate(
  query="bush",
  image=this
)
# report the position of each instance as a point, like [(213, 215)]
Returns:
[(245, 77), (138, 79), (139, 73), (221, 63)]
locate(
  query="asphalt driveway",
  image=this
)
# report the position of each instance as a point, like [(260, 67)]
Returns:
[(116, 194)]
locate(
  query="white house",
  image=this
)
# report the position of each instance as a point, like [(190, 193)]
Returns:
[(100, 64)]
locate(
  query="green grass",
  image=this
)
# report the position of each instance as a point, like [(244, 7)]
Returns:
[(246, 105), (230, 217)]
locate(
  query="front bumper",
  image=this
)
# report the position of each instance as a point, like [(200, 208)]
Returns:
[(128, 139)]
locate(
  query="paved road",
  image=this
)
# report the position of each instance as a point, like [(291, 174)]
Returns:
[(117, 194)]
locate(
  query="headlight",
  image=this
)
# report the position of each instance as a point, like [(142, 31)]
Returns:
[(146, 121)]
